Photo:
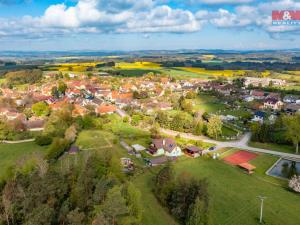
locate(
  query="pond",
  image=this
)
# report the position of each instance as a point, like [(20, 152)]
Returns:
[(285, 168)]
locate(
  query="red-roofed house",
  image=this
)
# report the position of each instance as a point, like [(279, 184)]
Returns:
[(257, 94), (116, 95), (79, 110), (128, 88), (57, 105), (105, 109)]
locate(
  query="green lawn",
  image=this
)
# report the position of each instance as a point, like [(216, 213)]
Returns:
[(11, 153), (228, 132), (181, 74), (264, 162), (127, 131), (233, 194), (208, 103), (101, 140), (183, 142), (274, 147), (237, 113), (93, 139)]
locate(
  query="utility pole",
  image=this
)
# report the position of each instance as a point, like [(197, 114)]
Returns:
[(262, 198)]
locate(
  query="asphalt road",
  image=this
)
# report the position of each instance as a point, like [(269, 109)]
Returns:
[(241, 143)]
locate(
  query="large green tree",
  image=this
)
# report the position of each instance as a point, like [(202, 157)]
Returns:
[(133, 197), (214, 126), (198, 213), (40, 109), (292, 124), (62, 87), (114, 205)]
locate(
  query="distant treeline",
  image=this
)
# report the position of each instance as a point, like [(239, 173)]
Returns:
[(106, 64), (296, 58), (259, 66), (11, 68)]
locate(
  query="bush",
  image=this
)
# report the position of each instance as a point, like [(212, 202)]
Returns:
[(57, 148), (294, 184), (43, 140)]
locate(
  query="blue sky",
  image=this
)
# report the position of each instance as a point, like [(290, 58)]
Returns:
[(144, 24)]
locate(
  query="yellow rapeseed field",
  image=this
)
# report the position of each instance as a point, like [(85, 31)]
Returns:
[(265, 73), (208, 56), (226, 73), (137, 65)]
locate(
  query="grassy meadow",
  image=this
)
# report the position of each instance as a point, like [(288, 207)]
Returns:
[(11, 153), (208, 103), (233, 194), (274, 147)]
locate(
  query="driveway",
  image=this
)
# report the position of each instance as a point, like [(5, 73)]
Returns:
[(241, 144)]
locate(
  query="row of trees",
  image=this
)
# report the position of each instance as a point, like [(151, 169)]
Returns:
[(184, 122), (286, 130), (186, 198)]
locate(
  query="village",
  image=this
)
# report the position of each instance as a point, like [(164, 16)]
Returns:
[(150, 95), (152, 121)]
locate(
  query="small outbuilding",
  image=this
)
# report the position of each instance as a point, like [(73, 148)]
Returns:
[(193, 151), (248, 167), (138, 147), (73, 150)]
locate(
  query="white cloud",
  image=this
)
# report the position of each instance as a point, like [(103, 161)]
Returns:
[(245, 16), (143, 16), (215, 2), (163, 19), (117, 16)]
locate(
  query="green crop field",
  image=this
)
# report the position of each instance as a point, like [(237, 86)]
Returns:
[(136, 72)]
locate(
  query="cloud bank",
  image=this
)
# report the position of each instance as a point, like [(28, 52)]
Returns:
[(145, 16)]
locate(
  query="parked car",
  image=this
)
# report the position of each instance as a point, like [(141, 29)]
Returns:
[(212, 148)]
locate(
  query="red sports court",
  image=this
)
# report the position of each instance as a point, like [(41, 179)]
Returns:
[(239, 157)]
